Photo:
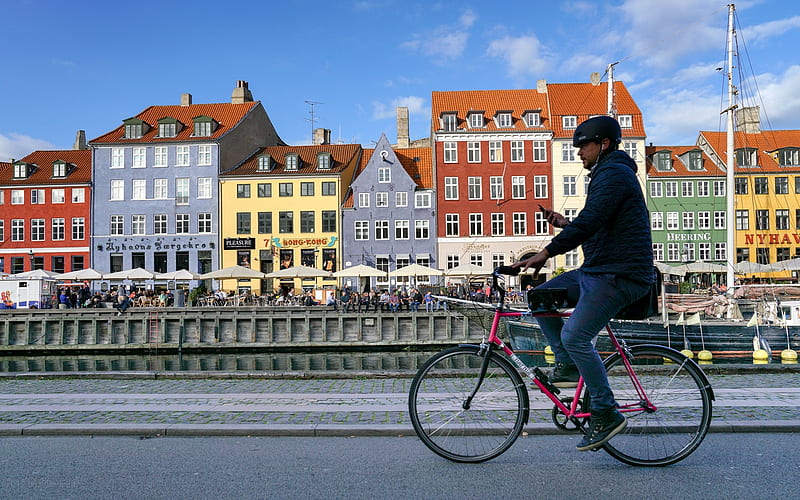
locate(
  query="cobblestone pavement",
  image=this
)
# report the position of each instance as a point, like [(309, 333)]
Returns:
[(316, 406)]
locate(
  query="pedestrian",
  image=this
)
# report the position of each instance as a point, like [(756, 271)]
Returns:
[(394, 302), (613, 230), (428, 299)]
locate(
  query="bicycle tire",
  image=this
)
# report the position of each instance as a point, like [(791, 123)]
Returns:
[(683, 399), (493, 420)]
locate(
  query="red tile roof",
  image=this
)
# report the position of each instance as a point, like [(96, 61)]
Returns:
[(490, 102), (584, 100), (342, 155), (766, 143), (679, 168), (80, 170), (419, 165), (227, 115)]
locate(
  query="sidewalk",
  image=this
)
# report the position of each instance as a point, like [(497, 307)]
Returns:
[(203, 404)]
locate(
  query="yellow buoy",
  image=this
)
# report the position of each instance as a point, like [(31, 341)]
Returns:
[(760, 355), (704, 355), (688, 353), (548, 350), (789, 356)]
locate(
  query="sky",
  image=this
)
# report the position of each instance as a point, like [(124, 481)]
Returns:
[(89, 65)]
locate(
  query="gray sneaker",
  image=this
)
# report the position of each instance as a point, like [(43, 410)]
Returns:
[(564, 375), (603, 426)]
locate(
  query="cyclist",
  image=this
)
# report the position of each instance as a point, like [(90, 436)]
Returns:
[(613, 230)]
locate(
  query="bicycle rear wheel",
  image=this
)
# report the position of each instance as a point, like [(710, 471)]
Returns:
[(463, 431), (682, 396)]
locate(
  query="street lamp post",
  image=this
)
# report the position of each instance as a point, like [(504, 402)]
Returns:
[(32, 257)]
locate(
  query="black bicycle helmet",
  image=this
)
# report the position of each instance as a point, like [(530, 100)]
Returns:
[(596, 129)]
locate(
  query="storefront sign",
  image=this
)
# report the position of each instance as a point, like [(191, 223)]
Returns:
[(239, 243), (772, 239)]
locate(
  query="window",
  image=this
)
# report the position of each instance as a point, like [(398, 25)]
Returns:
[(133, 130), (243, 223), (542, 227), (452, 261), (495, 151), (203, 188), (655, 189), (117, 158), (167, 129), (78, 228), (517, 151), (671, 189), (202, 128), (570, 214), (204, 222), (476, 259), (58, 227), (662, 161), (181, 223), (139, 158), (307, 221), (631, 148), (286, 222), (117, 225), (495, 187), (160, 159), (182, 156), (363, 200), (381, 229), (539, 150), (160, 224), (570, 185), (37, 197), (658, 251), (329, 188), (382, 199), (625, 121), (704, 251), (567, 152), (401, 230), (475, 120), (117, 189), (702, 189), (401, 199), (450, 153), (56, 195), (421, 229), (59, 169), (518, 187), (384, 175), (139, 189), (474, 188), (688, 220), (422, 199), (264, 190), (17, 196), (533, 119), (569, 122), (17, 229), (138, 225), (264, 222), (742, 219), (687, 189), (781, 185), (306, 189), (362, 230), (204, 154), (324, 161), (449, 122), (37, 229), (672, 221), (285, 189), (160, 189), (760, 185), (451, 225), (719, 188), (473, 152), (292, 161), (571, 258), (720, 219), (694, 161), (673, 253), (782, 219), (329, 221), (476, 224), (688, 252), (656, 221), (182, 191), (540, 190), (264, 163), (243, 190), (762, 255), (704, 220), (451, 188), (504, 120), (78, 195), (790, 157), (498, 224)]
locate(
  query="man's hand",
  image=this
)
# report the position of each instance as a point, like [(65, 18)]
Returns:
[(536, 262), (554, 218)]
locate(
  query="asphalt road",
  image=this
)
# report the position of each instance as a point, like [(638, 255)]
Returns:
[(726, 466)]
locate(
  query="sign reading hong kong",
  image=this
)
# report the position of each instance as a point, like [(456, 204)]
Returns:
[(300, 242)]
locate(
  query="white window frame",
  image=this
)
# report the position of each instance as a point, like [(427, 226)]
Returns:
[(117, 192), (204, 154), (451, 188), (540, 187), (160, 156), (363, 200), (495, 151), (496, 187), (450, 152), (518, 187), (182, 156)]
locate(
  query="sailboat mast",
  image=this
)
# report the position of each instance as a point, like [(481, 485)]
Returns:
[(730, 161)]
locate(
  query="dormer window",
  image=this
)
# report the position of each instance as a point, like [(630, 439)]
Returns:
[(324, 161), (169, 127), (789, 157), (533, 118), (204, 126), (569, 122), (21, 170), (694, 161), (264, 163), (625, 121), (475, 119), (135, 128), (503, 119), (747, 157), (662, 161), (59, 168), (449, 122), (292, 161)]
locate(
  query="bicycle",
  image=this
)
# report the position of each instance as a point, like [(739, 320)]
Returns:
[(469, 403)]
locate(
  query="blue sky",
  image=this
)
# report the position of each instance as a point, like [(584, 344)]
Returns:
[(91, 64)]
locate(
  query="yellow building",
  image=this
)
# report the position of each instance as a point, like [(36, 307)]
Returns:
[(282, 208)]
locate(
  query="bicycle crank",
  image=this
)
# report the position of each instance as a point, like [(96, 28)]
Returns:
[(563, 422)]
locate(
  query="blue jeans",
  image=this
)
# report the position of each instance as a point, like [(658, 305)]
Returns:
[(596, 298)]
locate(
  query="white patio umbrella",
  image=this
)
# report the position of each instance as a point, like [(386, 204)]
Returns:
[(300, 272), (416, 270), (35, 274), (136, 274), (233, 272), (787, 265), (179, 275), (87, 274), (467, 269), (360, 271), (705, 267), (747, 267), (667, 269)]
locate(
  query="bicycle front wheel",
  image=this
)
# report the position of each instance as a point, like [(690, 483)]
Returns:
[(461, 428), (681, 395)]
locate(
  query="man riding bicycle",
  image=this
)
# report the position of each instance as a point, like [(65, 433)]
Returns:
[(613, 229)]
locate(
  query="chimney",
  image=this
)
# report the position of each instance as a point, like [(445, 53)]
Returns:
[(321, 137), (241, 94), (748, 120), (541, 86), (595, 79), (186, 99), (403, 139), (80, 140)]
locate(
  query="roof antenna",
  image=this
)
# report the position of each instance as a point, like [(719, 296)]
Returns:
[(313, 118)]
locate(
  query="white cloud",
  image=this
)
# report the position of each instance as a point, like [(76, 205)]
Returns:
[(415, 105), (781, 101), (674, 118), (445, 42), (523, 55), (770, 29), (17, 146)]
